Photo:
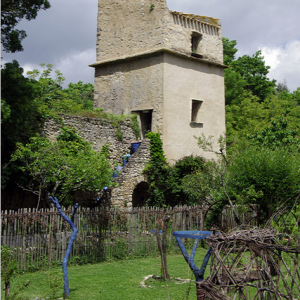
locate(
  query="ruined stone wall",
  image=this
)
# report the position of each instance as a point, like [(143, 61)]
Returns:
[(96, 131), (100, 132), (130, 176)]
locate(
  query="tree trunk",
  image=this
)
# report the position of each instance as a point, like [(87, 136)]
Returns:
[(162, 246)]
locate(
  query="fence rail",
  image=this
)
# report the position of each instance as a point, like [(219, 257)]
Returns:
[(38, 237)]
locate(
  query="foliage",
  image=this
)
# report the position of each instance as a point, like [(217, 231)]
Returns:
[(21, 116), (156, 170), (203, 186), (251, 115), (54, 99), (264, 176), (246, 73), (254, 71), (61, 167), (276, 135), (8, 268), (191, 180), (12, 12), (229, 50), (135, 126), (288, 222)]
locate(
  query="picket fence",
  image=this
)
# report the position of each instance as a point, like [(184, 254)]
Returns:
[(38, 238)]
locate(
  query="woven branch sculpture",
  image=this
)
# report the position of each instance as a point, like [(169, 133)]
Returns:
[(253, 264)]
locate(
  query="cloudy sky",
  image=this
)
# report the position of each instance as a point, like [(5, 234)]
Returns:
[(65, 34)]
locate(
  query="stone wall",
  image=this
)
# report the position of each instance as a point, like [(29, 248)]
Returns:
[(130, 178), (96, 131), (127, 28), (100, 132)]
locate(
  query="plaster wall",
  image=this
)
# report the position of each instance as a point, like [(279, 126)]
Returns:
[(184, 80), (131, 85)]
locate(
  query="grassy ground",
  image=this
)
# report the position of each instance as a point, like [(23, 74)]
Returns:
[(113, 280)]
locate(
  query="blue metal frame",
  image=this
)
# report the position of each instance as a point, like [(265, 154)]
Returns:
[(197, 235)]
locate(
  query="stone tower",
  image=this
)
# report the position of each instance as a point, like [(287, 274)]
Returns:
[(166, 67)]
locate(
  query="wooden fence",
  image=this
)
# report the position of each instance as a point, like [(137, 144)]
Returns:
[(37, 237)]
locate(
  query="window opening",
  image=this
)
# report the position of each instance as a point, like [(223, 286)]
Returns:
[(196, 38), (196, 115)]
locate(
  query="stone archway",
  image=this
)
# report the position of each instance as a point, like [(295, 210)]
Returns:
[(140, 194)]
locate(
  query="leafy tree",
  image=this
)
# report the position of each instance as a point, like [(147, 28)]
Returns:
[(246, 73), (276, 135), (252, 115), (229, 50), (21, 116), (12, 12), (264, 176), (82, 93), (61, 167), (254, 71), (172, 185), (282, 87), (54, 99)]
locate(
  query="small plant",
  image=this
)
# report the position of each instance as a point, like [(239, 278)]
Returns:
[(119, 134), (135, 126), (8, 268), (55, 284), (105, 150), (152, 6)]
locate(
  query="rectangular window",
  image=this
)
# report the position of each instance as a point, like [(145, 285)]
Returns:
[(196, 115), (196, 38)]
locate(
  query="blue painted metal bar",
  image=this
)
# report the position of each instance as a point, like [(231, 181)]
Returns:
[(197, 235), (71, 241)]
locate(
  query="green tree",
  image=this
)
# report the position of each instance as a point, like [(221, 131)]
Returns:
[(246, 73), (61, 167), (229, 50), (76, 98), (12, 12), (276, 135), (264, 176), (22, 117), (254, 71)]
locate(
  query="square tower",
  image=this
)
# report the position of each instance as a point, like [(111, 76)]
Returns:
[(166, 67)]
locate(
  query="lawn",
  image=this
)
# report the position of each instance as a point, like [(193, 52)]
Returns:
[(114, 280)]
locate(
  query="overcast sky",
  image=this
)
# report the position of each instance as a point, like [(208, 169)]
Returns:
[(65, 34)]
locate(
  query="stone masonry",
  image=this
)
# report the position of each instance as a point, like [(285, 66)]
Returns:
[(164, 66), (100, 132)]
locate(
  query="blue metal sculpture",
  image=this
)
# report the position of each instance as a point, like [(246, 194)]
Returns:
[(72, 239), (197, 235)]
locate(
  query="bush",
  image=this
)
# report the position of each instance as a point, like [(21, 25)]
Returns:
[(264, 176)]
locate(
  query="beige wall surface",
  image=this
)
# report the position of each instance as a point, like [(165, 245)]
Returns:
[(184, 80), (129, 27), (134, 84)]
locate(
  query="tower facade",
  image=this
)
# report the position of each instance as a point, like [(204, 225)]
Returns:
[(164, 66)]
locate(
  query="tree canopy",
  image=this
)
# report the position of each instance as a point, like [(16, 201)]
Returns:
[(58, 168), (12, 12)]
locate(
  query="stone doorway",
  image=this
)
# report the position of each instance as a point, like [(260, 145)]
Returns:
[(146, 121), (140, 194)]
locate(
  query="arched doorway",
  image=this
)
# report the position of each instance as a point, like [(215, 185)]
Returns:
[(140, 194)]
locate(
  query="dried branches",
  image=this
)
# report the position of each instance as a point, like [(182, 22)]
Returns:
[(252, 264)]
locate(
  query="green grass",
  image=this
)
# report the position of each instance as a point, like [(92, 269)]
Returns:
[(114, 280)]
